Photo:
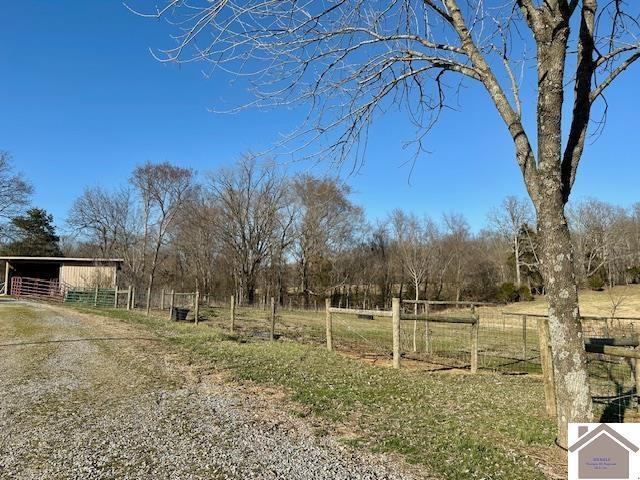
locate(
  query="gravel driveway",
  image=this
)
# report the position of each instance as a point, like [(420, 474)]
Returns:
[(86, 398)]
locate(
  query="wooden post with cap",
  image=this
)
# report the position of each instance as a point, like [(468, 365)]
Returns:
[(273, 319), (475, 330), (395, 309), (329, 324)]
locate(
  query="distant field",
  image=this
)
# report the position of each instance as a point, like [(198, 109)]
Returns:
[(592, 303)]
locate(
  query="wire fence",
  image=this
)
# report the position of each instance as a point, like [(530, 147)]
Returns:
[(611, 376), (506, 342), (95, 297)]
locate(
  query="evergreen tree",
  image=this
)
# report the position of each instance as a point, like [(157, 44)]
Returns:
[(34, 235)]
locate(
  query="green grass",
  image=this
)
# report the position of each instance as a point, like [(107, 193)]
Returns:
[(456, 425), (18, 321)]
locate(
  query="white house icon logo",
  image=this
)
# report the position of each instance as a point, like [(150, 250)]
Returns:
[(602, 453)]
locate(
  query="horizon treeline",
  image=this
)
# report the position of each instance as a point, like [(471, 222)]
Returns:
[(253, 231)]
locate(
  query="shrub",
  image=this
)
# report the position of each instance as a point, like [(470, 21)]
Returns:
[(634, 274), (596, 283), (524, 294), (508, 293)]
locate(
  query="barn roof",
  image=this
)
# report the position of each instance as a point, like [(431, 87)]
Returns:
[(61, 259)]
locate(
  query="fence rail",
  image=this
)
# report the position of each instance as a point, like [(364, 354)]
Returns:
[(354, 311), (37, 289)]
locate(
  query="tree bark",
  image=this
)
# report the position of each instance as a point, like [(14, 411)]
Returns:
[(573, 395)]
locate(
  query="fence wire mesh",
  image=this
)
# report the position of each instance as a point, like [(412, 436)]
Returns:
[(611, 376), (508, 343), (95, 297), (433, 345)]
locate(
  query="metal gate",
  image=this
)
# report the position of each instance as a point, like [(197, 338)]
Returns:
[(37, 289)]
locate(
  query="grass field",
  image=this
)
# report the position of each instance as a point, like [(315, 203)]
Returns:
[(592, 303), (458, 426)]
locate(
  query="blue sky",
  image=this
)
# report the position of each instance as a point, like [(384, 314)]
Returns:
[(82, 102)]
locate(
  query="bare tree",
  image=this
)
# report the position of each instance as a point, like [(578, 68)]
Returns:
[(509, 219), (495, 245), (324, 224), (97, 215), (163, 189), (379, 247), (411, 242), (15, 192), (456, 243), (600, 238), (250, 198), (196, 240), (349, 59), (108, 224)]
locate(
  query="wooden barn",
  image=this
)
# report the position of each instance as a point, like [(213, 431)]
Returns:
[(70, 272)]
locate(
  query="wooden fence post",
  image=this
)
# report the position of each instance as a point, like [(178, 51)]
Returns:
[(172, 301), (427, 339), (546, 362), (133, 298), (95, 298), (162, 300), (273, 319), (415, 327), (233, 313), (636, 372), (329, 324), (115, 298), (148, 300), (197, 306), (395, 308), (475, 331), (129, 298), (524, 342)]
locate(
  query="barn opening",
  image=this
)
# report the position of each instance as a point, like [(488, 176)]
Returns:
[(71, 272)]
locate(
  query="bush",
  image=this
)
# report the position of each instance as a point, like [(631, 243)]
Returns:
[(509, 293), (524, 294), (596, 283), (634, 274)]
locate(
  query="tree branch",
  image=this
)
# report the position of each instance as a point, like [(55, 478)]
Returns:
[(613, 75), (531, 14), (582, 101)]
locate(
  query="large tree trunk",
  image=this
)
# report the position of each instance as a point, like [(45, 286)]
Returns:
[(573, 396)]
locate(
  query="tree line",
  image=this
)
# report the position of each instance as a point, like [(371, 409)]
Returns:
[(254, 231)]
